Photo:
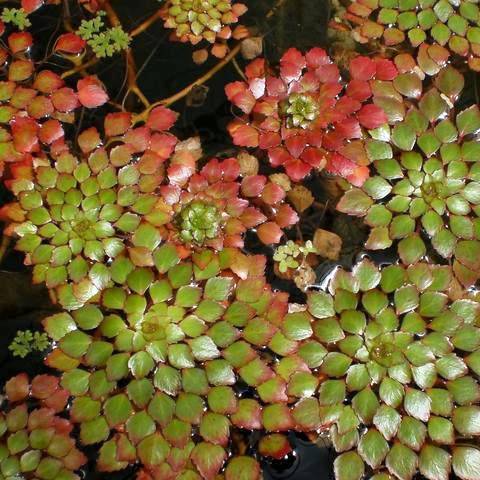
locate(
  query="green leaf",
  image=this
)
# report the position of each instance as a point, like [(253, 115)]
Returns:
[(59, 325), (365, 405), (466, 462), (434, 463), (411, 249), (218, 288), (417, 404), (208, 459), (117, 409), (467, 420), (349, 466), (404, 137), (373, 448), (354, 202), (387, 420), (402, 462), (320, 304), (468, 121), (242, 468), (139, 426)]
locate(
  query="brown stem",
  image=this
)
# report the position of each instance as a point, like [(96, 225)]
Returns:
[(80, 68), (275, 8), (131, 65), (145, 24), (183, 93)]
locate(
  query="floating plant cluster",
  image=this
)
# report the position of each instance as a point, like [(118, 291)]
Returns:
[(169, 341)]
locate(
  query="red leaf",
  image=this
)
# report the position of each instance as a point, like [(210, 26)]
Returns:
[(291, 65), (70, 43), (253, 185), (240, 96), (117, 123), (362, 68), (161, 119), (317, 57), (359, 90), (269, 233), (89, 139), (47, 82), (65, 100), (43, 386), (297, 170), (371, 116), (90, 93), (314, 157), (20, 41), (279, 156), (386, 69), (31, 5), (243, 135), (255, 69), (50, 131), (286, 216), (17, 388), (24, 131)]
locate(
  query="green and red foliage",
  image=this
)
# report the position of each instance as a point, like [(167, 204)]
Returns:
[(306, 117), (449, 24), (35, 104), (34, 441), (210, 21), (402, 368), (425, 177), (78, 208), (182, 341)]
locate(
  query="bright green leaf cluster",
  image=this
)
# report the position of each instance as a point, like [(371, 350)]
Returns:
[(17, 17), (405, 353), (104, 42), (455, 25), (426, 177), (26, 342), (292, 255)]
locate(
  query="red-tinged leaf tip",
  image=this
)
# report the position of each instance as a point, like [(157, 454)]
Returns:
[(161, 119), (47, 82), (70, 43), (291, 65), (50, 131), (20, 41), (269, 233), (208, 459), (296, 169), (24, 132), (371, 116), (17, 388), (244, 468), (43, 386), (316, 57), (31, 5), (386, 69), (117, 123), (91, 93), (239, 94), (362, 68)]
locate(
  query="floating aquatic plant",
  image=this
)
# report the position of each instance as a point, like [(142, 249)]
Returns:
[(17, 17), (451, 24), (104, 42), (195, 21), (403, 349), (37, 443), (73, 213), (180, 342), (27, 342), (292, 255), (305, 117), (425, 178)]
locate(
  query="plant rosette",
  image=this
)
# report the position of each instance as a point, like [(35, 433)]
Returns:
[(36, 443), (426, 181), (180, 344), (451, 25), (306, 117), (402, 393), (209, 21), (34, 105), (76, 211), (215, 206)]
